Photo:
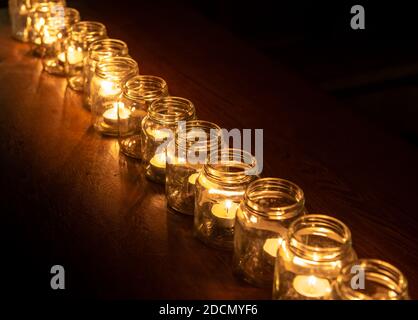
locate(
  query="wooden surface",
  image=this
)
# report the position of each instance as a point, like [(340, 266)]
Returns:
[(69, 198)]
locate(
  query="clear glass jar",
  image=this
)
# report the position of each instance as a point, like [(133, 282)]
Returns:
[(100, 49), (82, 35), (106, 88), (38, 15), (186, 155), (158, 128), (370, 279), (220, 188), (18, 12), (138, 94), (53, 36), (263, 218), (315, 250)]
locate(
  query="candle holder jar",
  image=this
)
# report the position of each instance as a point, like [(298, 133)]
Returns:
[(317, 247), (263, 218), (100, 49), (18, 12), (220, 188), (54, 34), (186, 155), (106, 88), (158, 128), (369, 279), (138, 94), (39, 14), (82, 35)]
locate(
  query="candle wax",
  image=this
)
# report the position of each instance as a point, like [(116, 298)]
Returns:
[(311, 286), (158, 160), (225, 212), (193, 177), (110, 116)]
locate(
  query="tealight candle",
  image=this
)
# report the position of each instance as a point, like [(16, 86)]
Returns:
[(109, 88), (158, 161), (192, 178), (74, 56), (225, 213), (311, 286), (110, 116)]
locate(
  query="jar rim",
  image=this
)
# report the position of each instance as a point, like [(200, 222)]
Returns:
[(324, 226), (212, 131), (116, 68), (145, 88), (106, 48), (87, 26), (393, 279), (229, 166), (71, 17), (275, 187), (169, 110)]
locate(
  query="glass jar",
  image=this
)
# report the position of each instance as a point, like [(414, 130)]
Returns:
[(315, 250), (220, 188), (106, 88), (82, 35), (38, 15), (186, 155), (18, 12), (158, 128), (138, 94), (369, 279), (263, 218), (98, 50), (53, 36)]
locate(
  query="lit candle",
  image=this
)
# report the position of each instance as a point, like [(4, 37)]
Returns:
[(74, 56), (110, 116), (311, 286), (39, 24), (158, 161), (225, 213), (272, 245), (193, 177), (158, 134), (47, 38)]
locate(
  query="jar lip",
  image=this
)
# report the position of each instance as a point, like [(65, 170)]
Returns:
[(44, 7), (392, 276), (106, 48), (212, 131), (116, 68), (145, 87), (322, 223), (274, 186), (229, 166), (87, 26), (169, 110), (71, 17)]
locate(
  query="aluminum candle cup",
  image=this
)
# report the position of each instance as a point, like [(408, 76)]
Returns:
[(53, 38), (106, 88), (186, 155), (138, 94), (268, 208), (315, 250), (220, 188), (370, 279), (82, 35), (98, 50), (158, 128)]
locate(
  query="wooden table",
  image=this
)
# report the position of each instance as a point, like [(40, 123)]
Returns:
[(69, 198)]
